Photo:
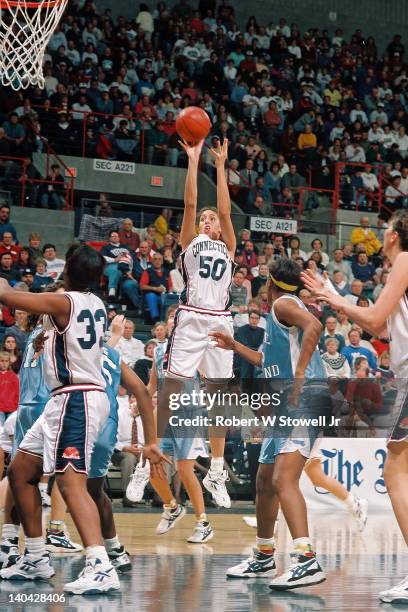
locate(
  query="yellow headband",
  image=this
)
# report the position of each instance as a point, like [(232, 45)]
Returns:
[(283, 285)]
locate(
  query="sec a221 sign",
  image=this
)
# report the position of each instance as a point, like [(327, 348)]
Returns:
[(111, 165), (266, 224)]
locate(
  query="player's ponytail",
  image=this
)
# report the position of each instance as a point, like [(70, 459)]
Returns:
[(399, 223)]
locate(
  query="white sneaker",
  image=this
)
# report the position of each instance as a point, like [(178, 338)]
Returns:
[(169, 518), (96, 577), (214, 482), (136, 487), (202, 533), (9, 552), (60, 542), (120, 559), (397, 594), (360, 512), (258, 565), (303, 571), (28, 567)]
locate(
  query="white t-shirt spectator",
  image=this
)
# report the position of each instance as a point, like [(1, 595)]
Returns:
[(85, 108), (145, 21), (130, 350), (125, 423), (55, 268)]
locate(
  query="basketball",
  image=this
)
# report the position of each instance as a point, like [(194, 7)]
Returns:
[(193, 124)]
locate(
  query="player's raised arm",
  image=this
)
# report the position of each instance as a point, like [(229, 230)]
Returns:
[(371, 319), (188, 232), (223, 198), (57, 305)]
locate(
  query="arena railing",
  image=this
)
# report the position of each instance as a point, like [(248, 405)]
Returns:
[(26, 189)]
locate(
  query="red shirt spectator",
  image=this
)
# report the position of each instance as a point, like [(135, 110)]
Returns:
[(9, 385), (7, 246)]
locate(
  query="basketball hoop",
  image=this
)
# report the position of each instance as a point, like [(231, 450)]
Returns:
[(25, 30)]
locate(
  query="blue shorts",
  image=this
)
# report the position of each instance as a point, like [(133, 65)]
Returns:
[(183, 448), (272, 447), (315, 401), (103, 449), (26, 417)]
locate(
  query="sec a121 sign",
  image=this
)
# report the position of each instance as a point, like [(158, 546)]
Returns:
[(266, 224)]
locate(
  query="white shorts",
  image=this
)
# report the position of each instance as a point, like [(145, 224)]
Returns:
[(190, 348), (66, 431)]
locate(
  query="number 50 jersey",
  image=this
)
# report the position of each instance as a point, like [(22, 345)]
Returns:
[(207, 272), (73, 356)]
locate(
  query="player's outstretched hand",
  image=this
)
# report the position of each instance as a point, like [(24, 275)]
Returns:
[(221, 340), (118, 325), (220, 153), (312, 281), (193, 151), (156, 459)]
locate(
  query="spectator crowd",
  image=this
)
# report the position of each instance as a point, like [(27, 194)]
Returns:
[(291, 102)]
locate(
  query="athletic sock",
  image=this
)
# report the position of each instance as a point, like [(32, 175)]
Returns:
[(350, 502), (56, 526), (43, 486), (9, 531), (201, 518), (217, 464), (112, 543), (96, 552), (172, 505), (35, 546), (265, 545), (303, 546)]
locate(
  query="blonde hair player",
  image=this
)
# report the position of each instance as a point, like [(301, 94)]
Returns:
[(207, 267), (389, 311)]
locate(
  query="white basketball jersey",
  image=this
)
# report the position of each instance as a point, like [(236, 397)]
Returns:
[(398, 332), (207, 273), (74, 355)]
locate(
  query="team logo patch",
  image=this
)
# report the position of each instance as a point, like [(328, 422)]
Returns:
[(71, 453)]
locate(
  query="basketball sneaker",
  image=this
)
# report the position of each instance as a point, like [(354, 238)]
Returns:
[(360, 512), (214, 482), (169, 518), (28, 567), (136, 487), (259, 565), (120, 559), (60, 542), (303, 571), (96, 577), (9, 552), (202, 533), (397, 594)]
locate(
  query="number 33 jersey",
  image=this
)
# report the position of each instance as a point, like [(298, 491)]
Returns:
[(73, 356), (207, 272)]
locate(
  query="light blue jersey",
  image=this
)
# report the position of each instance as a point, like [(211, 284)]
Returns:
[(34, 393), (105, 443), (281, 351), (184, 442)]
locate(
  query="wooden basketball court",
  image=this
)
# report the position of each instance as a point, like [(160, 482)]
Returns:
[(170, 575)]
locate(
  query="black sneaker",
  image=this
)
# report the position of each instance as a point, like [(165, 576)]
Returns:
[(303, 571), (59, 542), (120, 559), (259, 565)]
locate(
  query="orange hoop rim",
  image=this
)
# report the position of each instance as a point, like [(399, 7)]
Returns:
[(5, 4)]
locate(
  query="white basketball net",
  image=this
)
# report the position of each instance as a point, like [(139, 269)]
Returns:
[(25, 30)]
